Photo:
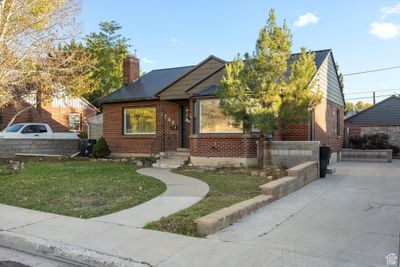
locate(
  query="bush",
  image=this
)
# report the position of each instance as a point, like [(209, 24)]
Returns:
[(101, 149), (370, 141)]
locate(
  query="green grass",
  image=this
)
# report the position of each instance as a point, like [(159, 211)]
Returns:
[(227, 187), (77, 188)]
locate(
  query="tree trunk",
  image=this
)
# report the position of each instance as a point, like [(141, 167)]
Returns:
[(260, 154), (268, 156)]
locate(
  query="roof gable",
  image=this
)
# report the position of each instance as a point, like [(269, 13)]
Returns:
[(386, 112), (327, 77), (211, 57), (177, 89)]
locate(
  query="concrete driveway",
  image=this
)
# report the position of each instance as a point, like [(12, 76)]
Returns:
[(351, 218)]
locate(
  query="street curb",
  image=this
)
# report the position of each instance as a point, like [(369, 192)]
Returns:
[(64, 252)]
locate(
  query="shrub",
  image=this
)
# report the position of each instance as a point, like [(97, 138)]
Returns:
[(101, 149), (378, 141), (370, 141)]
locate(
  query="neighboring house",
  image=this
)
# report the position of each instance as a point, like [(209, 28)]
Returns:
[(62, 114), (95, 127), (176, 108), (384, 117)]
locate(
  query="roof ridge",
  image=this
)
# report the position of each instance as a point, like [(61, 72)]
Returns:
[(172, 68), (313, 51)]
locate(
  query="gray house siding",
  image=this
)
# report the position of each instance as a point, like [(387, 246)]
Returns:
[(328, 81)]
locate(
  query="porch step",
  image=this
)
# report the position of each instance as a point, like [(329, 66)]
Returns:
[(176, 155), (168, 164), (174, 159), (182, 150)]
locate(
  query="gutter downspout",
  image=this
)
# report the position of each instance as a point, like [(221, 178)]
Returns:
[(88, 129)]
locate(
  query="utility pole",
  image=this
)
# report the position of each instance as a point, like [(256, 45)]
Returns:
[(374, 97)]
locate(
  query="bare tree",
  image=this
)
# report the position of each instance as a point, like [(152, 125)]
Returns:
[(36, 56)]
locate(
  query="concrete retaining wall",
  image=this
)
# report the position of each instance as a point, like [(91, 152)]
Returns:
[(10, 147), (298, 176), (292, 153), (376, 155)]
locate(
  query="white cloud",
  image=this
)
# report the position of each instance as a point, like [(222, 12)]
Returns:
[(148, 61), (306, 19), (386, 11), (176, 41), (384, 30)]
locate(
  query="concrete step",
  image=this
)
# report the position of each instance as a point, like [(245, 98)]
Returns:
[(167, 164), (177, 153), (175, 157), (182, 150)]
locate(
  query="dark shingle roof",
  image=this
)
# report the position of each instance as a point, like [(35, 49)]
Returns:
[(147, 86), (386, 112), (320, 56), (151, 83)]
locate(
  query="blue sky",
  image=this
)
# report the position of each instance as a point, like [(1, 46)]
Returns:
[(363, 34)]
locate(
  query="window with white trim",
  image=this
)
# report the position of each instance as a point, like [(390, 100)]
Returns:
[(140, 120), (212, 120), (74, 122)]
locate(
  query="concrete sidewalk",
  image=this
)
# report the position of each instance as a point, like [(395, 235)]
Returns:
[(182, 192), (351, 218)]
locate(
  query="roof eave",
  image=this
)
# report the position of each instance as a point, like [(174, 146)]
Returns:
[(111, 101)]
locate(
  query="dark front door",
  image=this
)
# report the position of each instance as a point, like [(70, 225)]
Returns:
[(185, 126)]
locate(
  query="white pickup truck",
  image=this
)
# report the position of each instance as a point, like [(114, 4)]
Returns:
[(34, 131)]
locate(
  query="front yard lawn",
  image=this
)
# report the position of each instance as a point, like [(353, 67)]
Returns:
[(227, 187), (78, 188)]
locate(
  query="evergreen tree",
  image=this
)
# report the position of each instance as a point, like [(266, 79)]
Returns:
[(259, 93), (109, 48)]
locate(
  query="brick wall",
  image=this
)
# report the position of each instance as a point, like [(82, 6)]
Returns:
[(114, 132), (325, 125), (210, 145), (295, 132), (223, 145), (168, 126)]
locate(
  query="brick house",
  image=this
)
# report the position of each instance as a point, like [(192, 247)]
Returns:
[(384, 117), (61, 114), (177, 109)]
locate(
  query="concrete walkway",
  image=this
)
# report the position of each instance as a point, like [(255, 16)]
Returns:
[(182, 192), (351, 218)]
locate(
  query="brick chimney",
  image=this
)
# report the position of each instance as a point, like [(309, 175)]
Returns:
[(131, 69)]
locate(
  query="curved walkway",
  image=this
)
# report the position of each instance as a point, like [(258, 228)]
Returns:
[(182, 192)]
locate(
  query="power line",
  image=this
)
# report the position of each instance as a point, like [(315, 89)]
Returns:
[(358, 98), (371, 91), (369, 71)]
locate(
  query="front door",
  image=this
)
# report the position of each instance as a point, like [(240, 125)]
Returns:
[(185, 126)]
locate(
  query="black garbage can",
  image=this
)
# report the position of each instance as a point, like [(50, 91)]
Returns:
[(82, 147), (90, 145), (324, 157)]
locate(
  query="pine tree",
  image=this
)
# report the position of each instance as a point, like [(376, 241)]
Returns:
[(260, 93)]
